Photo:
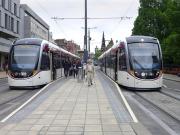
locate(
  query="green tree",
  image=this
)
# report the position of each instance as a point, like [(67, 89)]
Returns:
[(151, 20), (97, 54), (161, 19), (110, 44)]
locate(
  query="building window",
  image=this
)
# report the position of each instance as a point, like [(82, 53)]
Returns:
[(6, 21), (9, 5), (0, 18), (3, 3), (45, 61), (12, 24), (15, 9), (122, 60), (9, 23), (17, 27)]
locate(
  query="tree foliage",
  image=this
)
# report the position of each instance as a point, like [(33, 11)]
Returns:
[(110, 44), (97, 54), (161, 19)]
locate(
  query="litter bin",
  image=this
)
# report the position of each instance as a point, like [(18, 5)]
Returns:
[(80, 74)]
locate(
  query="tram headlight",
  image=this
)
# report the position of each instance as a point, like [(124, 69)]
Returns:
[(143, 74), (16, 73), (24, 74), (151, 74), (12, 74), (157, 73)]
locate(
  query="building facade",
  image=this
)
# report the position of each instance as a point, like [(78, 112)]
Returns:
[(70, 46), (61, 43), (33, 25), (9, 27)]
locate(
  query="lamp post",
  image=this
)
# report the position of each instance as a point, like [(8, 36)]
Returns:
[(89, 38), (85, 57)]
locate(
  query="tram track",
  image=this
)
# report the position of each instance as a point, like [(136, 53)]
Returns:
[(3, 81), (11, 99), (171, 79), (169, 113), (171, 94), (15, 98), (158, 121), (171, 88), (9, 105)]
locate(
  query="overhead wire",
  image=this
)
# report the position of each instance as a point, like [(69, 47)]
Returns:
[(90, 18), (125, 13), (49, 16)]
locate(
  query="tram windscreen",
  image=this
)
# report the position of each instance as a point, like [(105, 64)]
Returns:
[(24, 57), (145, 56)]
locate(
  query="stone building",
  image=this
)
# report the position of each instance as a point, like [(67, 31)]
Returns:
[(33, 25), (9, 27), (70, 46)]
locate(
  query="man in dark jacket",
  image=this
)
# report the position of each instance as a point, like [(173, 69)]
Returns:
[(66, 66)]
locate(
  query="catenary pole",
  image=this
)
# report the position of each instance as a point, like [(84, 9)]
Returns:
[(85, 34)]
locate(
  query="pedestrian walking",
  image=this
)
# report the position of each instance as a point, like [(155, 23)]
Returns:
[(66, 66), (89, 72), (84, 71), (75, 69)]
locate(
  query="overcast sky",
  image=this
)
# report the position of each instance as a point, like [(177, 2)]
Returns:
[(72, 29)]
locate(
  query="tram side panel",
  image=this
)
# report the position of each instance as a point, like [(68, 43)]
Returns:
[(108, 65)]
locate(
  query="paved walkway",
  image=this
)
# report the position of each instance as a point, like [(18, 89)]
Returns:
[(73, 109)]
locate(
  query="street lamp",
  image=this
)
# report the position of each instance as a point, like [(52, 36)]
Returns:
[(89, 37), (85, 57)]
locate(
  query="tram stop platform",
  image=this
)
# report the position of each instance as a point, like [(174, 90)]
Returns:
[(70, 107)]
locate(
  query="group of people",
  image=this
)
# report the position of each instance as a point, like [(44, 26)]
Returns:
[(72, 68)]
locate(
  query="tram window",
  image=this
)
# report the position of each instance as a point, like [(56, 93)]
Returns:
[(45, 62), (122, 60)]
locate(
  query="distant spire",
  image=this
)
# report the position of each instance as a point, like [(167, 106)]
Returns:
[(103, 46), (110, 44)]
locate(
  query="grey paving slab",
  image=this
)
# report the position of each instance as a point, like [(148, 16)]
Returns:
[(22, 127), (60, 122), (18, 133), (55, 133), (74, 133), (111, 128), (56, 128), (113, 133), (73, 109), (93, 133), (91, 128), (75, 129)]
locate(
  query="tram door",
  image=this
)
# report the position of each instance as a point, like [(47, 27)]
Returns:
[(54, 73), (116, 65), (105, 65), (51, 65)]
